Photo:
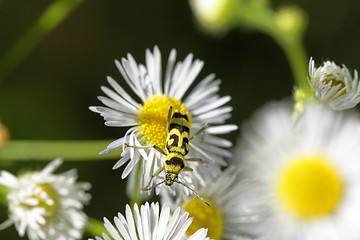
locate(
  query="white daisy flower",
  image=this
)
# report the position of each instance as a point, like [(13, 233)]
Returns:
[(334, 85), (147, 118), (304, 173), (151, 222), (45, 205), (226, 217)]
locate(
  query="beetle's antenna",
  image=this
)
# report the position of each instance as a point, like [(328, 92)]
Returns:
[(193, 192)]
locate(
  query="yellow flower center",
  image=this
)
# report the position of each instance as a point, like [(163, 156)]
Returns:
[(204, 217), (50, 208), (47, 192), (310, 187), (153, 117), (335, 81)]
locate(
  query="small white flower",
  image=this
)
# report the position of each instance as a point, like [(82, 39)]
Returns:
[(147, 119), (151, 222), (304, 173), (334, 85), (227, 217), (45, 205)]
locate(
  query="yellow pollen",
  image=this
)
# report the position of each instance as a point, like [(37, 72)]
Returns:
[(204, 217), (49, 208), (335, 82), (310, 187), (153, 117), (52, 195)]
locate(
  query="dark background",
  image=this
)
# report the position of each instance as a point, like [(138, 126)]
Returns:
[(48, 95)]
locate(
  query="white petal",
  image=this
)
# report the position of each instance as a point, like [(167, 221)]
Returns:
[(121, 162), (199, 234), (169, 71), (163, 222), (131, 222), (6, 224), (212, 105), (52, 166), (123, 93), (110, 228), (223, 129), (8, 180)]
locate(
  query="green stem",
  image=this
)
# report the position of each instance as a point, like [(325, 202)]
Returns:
[(94, 227), (3, 193), (263, 20), (136, 193), (296, 56), (16, 150), (55, 14)]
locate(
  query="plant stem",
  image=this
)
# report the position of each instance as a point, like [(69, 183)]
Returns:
[(296, 56), (94, 227), (263, 20), (55, 14), (3, 192), (136, 193), (16, 150)]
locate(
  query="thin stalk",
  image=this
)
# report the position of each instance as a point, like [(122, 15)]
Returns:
[(136, 193), (3, 193), (17, 150), (296, 56), (263, 20), (52, 17), (94, 227)]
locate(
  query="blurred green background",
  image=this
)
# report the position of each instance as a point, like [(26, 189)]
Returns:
[(48, 94)]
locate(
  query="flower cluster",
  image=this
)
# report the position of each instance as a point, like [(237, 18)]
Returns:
[(291, 176), (45, 205)]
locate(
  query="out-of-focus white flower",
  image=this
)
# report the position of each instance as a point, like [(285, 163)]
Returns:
[(227, 217), (147, 119), (334, 85), (151, 222), (303, 173), (45, 205)]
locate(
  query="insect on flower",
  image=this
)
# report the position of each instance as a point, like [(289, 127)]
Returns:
[(177, 147)]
